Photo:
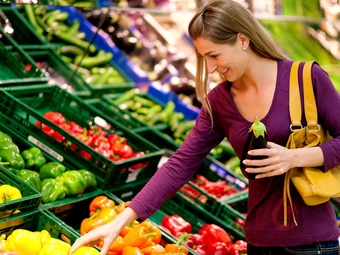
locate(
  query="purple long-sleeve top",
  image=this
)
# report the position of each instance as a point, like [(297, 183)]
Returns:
[(264, 223)]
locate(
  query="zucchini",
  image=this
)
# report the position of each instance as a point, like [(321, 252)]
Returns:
[(257, 139)]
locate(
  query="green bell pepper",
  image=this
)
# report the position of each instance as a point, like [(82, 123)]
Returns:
[(52, 190), (31, 177), (5, 137), (9, 152), (90, 178), (73, 182), (51, 170), (34, 158)]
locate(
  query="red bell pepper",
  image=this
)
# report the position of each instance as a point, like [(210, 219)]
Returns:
[(212, 234), (175, 223), (123, 150), (56, 117), (219, 248), (239, 248)]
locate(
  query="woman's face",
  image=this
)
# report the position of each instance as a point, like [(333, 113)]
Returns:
[(228, 60)]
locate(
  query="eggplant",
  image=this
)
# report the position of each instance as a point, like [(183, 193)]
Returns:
[(257, 139)]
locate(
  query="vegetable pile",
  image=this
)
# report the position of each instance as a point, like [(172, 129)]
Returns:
[(52, 179), (210, 239), (112, 146), (26, 242), (136, 238)]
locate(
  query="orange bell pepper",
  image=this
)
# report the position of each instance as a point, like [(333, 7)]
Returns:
[(128, 228), (122, 206), (100, 217), (138, 236), (153, 249), (152, 239), (130, 250), (176, 248), (99, 203)]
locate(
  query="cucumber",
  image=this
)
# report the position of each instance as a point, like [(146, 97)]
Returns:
[(71, 39), (257, 139)]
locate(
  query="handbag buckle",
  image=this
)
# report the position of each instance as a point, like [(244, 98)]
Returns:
[(295, 127), (316, 125)]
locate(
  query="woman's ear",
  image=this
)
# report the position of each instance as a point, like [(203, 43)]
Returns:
[(243, 39)]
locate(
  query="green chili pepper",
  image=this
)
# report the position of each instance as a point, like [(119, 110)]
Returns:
[(52, 190), (90, 178), (31, 177), (34, 158), (51, 170), (73, 182)]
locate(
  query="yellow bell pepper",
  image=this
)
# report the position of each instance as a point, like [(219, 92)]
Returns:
[(55, 247), (24, 242), (44, 235), (8, 192), (86, 250)]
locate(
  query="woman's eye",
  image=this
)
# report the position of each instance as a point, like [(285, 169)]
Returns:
[(213, 56)]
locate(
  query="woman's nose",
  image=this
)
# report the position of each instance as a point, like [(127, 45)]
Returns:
[(211, 68)]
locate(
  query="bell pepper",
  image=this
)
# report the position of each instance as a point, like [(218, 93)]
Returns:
[(131, 250), (52, 190), (127, 228), (5, 137), (51, 170), (153, 249), (138, 236), (55, 246), (212, 234), (73, 182), (239, 248), (10, 153), (117, 245), (100, 202), (176, 248), (175, 224), (31, 177), (34, 158), (8, 193), (100, 217), (55, 117), (90, 179), (24, 242), (86, 250), (219, 248)]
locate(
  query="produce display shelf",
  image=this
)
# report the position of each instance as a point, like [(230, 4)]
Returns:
[(21, 109), (129, 70), (59, 72), (38, 220), (17, 67), (72, 214), (23, 34), (29, 201)]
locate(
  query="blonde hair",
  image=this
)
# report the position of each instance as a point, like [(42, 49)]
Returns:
[(220, 21)]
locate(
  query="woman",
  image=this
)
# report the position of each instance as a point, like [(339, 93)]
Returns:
[(230, 41)]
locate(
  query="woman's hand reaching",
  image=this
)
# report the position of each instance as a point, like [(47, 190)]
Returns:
[(106, 233)]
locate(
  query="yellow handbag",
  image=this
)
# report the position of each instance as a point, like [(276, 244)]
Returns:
[(314, 185)]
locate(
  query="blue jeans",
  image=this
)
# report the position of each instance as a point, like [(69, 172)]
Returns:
[(324, 248)]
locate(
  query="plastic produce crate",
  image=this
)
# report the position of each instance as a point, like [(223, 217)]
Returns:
[(17, 67), (73, 213), (22, 108), (23, 33), (30, 197), (130, 71), (59, 72), (39, 220), (197, 216), (211, 169)]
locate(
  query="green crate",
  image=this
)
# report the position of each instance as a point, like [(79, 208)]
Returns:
[(73, 213), (111, 112), (197, 216), (20, 109), (39, 220), (239, 202), (202, 198), (30, 197), (59, 72), (23, 34), (16, 66)]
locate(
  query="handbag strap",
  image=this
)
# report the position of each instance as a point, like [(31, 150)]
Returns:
[(296, 114), (308, 93)]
